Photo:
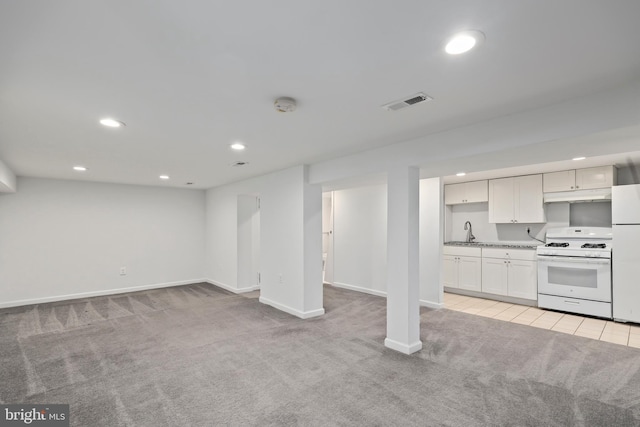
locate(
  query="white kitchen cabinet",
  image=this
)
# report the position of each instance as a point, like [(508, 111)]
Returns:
[(600, 177), (461, 268), (523, 279), (510, 272), (516, 199), (580, 179), (466, 192), (559, 181), (494, 276)]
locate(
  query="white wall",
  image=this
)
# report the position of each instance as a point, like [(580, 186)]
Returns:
[(478, 214), (360, 239), (629, 174), (66, 239), (221, 232), (7, 179), (247, 241), (290, 239), (560, 214)]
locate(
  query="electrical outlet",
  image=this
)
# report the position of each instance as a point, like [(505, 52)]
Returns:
[(123, 271)]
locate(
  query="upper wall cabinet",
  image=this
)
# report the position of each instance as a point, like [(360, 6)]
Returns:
[(516, 199), (466, 192), (580, 179)]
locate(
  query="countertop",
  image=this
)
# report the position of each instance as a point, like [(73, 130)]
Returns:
[(494, 245)]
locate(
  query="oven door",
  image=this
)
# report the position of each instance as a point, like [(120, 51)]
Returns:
[(575, 277)]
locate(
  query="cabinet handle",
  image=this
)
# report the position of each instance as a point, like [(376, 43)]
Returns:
[(572, 187), (577, 186)]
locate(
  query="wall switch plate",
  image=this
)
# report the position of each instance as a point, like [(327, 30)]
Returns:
[(123, 271)]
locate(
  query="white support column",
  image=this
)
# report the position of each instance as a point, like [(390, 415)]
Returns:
[(403, 281)]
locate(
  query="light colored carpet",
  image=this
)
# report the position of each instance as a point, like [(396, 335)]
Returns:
[(198, 355)]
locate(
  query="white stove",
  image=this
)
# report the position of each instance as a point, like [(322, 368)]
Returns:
[(574, 270), (589, 242)]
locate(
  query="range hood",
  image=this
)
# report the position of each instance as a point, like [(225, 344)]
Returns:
[(597, 195)]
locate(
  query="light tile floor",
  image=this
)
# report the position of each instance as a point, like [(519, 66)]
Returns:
[(597, 329)]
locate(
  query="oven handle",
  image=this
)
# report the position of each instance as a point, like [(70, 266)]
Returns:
[(575, 260)]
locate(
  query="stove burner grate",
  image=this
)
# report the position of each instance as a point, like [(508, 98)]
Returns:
[(594, 246), (557, 245)]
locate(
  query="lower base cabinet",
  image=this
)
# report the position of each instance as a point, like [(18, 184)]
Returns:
[(461, 268), (510, 272)]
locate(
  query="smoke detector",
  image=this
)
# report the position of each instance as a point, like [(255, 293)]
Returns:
[(418, 98), (285, 105)]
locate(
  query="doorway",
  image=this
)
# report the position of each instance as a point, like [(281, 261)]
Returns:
[(327, 237), (248, 239)]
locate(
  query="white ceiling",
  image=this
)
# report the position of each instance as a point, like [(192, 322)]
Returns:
[(191, 77)]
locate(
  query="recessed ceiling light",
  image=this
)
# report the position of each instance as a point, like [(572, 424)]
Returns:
[(461, 174), (578, 158), (80, 168), (112, 123), (164, 177), (238, 146), (464, 42)]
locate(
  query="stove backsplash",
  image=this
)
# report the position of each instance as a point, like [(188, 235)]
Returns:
[(595, 214)]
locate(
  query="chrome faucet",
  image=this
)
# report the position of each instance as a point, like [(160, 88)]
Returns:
[(470, 236)]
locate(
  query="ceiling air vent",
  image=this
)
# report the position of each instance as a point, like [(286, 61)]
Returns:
[(418, 98)]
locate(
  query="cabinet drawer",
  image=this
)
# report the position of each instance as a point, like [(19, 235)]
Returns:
[(461, 251), (520, 254)]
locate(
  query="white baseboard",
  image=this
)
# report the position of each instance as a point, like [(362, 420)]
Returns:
[(431, 304), (360, 289), (423, 303), (292, 311), (231, 288), (401, 347), (43, 300)]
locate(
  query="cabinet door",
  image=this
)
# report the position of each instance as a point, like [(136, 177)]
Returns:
[(523, 279), (501, 200), (477, 191), (559, 181), (469, 273), (529, 206), (454, 194), (494, 276), (450, 271), (589, 178)]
